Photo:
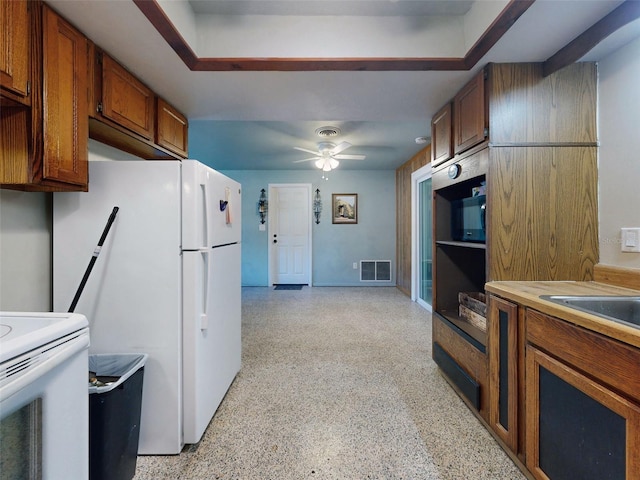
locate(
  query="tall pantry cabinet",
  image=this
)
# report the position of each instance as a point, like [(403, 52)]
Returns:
[(529, 143)]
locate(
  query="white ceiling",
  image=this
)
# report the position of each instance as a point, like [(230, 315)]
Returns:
[(252, 120), (332, 7)]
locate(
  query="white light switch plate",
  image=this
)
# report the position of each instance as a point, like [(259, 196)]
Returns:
[(630, 240)]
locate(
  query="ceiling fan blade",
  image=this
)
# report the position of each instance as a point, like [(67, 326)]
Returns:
[(308, 151), (349, 157), (305, 160), (339, 148)]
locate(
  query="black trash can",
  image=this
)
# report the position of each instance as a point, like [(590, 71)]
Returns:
[(115, 401)]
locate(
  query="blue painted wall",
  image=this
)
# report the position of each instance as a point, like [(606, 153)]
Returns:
[(335, 247)]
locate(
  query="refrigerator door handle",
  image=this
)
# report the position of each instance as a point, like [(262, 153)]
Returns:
[(196, 208), (206, 226), (204, 313)]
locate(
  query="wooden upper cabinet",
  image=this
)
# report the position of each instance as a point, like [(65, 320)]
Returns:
[(171, 128), (126, 100), (526, 108), (470, 115), (129, 116), (66, 112), (15, 56), (441, 145), (44, 145)]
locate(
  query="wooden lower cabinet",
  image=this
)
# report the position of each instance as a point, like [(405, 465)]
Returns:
[(578, 428), (582, 410), (503, 355), (564, 401)]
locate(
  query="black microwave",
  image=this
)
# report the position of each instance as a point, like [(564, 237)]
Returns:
[(468, 219)]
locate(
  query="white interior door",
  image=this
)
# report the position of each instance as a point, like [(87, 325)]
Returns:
[(290, 234)]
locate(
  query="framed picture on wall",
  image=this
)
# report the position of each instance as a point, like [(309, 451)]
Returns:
[(344, 208)]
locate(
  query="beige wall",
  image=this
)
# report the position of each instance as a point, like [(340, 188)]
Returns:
[(619, 153), (25, 251), (26, 242)]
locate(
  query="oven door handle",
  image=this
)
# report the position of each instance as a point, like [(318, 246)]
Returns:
[(47, 362)]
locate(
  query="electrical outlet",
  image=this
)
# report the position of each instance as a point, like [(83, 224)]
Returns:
[(355, 265), (630, 240)]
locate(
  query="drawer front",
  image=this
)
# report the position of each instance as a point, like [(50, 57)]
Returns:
[(586, 350), (467, 363)]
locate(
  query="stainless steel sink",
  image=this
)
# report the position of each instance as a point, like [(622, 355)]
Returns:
[(620, 309)]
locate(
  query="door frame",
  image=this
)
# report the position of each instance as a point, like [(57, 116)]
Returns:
[(417, 177), (270, 212)]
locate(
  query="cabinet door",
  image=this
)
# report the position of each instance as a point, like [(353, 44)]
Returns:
[(503, 369), (172, 128), (545, 198), (577, 428), (441, 146), (126, 100), (65, 83), (469, 113), (14, 50)]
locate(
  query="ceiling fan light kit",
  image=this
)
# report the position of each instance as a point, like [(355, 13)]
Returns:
[(327, 164), (328, 155)]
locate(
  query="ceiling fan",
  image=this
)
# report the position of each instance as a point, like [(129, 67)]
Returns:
[(328, 155)]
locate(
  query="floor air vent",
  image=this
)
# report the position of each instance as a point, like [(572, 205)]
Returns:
[(375, 270)]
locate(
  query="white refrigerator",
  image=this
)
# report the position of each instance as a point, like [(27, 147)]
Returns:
[(166, 283)]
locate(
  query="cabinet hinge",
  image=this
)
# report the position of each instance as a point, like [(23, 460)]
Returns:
[(28, 87), (99, 107), (486, 132)]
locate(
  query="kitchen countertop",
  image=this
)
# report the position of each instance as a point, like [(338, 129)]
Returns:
[(528, 294)]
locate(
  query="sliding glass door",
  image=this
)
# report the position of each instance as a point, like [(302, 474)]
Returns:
[(422, 242)]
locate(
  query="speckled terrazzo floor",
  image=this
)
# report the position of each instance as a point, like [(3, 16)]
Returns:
[(337, 383)]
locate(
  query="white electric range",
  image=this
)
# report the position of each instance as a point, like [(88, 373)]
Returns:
[(44, 404)]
